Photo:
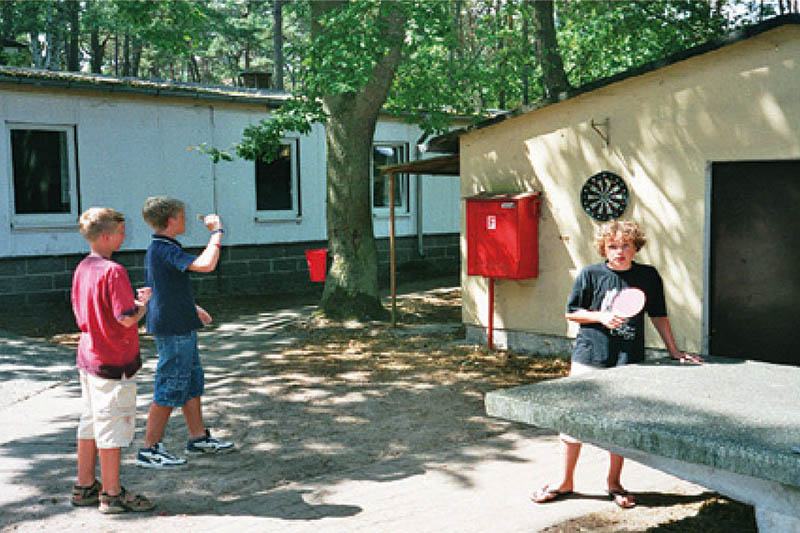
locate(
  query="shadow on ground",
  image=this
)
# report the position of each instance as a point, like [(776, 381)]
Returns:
[(304, 399)]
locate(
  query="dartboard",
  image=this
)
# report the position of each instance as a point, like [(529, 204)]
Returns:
[(604, 196)]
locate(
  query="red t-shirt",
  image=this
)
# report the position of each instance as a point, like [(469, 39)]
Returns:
[(102, 293)]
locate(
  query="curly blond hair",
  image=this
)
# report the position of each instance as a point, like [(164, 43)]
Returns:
[(611, 230), (96, 221)]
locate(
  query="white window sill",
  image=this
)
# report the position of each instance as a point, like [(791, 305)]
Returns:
[(397, 214), (273, 219), (44, 226)]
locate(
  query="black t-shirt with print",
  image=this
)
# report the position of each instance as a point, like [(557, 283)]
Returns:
[(594, 290)]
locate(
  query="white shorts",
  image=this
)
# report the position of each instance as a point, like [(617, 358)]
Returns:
[(109, 410), (577, 369)]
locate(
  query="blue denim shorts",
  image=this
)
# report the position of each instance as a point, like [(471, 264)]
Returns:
[(179, 374)]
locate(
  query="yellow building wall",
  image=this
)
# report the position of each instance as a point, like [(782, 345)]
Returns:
[(740, 102)]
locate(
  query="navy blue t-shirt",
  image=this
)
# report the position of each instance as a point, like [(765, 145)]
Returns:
[(594, 289), (171, 309)]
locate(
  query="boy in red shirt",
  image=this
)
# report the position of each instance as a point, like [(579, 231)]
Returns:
[(108, 358)]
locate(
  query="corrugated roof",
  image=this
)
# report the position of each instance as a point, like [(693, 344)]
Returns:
[(111, 84)]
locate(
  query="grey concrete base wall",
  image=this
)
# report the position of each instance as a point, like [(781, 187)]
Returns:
[(533, 343), (521, 341), (265, 269)]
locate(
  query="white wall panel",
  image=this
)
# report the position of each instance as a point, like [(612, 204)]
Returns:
[(131, 146)]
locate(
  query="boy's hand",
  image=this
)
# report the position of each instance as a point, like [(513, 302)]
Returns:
[(688, 358), (143, 295), (205, 318), (212, 221), (610, 320)]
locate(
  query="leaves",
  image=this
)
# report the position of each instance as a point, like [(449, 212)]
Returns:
[(600, 39), (215, 154), (459, 57), (262, 140)]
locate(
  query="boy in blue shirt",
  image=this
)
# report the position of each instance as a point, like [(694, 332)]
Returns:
[(173, 318)]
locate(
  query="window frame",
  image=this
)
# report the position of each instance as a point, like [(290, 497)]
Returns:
[(405, 183), (46, 220), (295, 212)]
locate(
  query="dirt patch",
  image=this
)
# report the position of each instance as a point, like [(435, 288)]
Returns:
[(304, 396)]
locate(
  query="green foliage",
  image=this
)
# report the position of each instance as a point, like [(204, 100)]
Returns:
[(459, 56), (338, 61), (215, 154), (599, 39), (262, 140), (172, 26), (341, 58)]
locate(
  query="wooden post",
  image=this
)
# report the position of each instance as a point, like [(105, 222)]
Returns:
[(490, 331), (391, 249)]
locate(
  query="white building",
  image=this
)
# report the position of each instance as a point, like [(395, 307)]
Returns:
[(73, 141)]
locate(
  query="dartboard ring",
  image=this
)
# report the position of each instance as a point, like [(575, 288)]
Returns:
[(604, 196)]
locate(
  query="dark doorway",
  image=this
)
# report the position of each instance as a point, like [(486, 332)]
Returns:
[(754, 282)]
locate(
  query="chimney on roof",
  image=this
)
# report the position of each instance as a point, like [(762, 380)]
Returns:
[(256, 79)]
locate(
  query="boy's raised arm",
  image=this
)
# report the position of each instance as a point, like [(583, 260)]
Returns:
[(207, 261)]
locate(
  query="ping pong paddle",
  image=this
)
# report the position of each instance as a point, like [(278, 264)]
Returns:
[(628, 302)]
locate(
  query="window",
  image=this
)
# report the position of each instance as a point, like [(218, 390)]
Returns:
[(44, 176), (389, 154), (277, 184)]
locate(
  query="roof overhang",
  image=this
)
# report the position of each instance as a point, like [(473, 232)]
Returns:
[(446, 165)]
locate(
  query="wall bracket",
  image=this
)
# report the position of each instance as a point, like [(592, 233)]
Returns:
[(606, 125)]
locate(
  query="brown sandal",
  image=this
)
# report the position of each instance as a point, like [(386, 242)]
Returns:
[(85, 496), (124, 502)]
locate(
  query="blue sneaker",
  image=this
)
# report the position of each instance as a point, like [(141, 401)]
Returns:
[(157, 457), (208, 444)]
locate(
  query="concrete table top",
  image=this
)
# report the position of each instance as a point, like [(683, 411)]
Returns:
[(736, 415)]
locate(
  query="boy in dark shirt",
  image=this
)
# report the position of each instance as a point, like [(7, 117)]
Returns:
[(606, 339), (174, 319)]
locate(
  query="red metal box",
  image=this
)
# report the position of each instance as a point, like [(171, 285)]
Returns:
[(503, 235)]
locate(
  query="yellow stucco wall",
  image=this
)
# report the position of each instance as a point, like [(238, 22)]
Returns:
[(740, 102)]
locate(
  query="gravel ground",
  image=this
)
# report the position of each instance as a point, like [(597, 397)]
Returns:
[(320, 396)]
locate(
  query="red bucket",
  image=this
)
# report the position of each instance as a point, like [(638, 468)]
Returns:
[(317, 263)]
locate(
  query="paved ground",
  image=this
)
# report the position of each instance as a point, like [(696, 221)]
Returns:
[(477, 482)]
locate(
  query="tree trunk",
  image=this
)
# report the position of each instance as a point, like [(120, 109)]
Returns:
[(116, 54), (351, 287), (98, 51), (73, 52), (136, 57), (554, 77), (5, 27), (277, 45), (193, 68), (526, 69), (7, 14), (126, 56), (36, 50), (500, 50), (53, 38)]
